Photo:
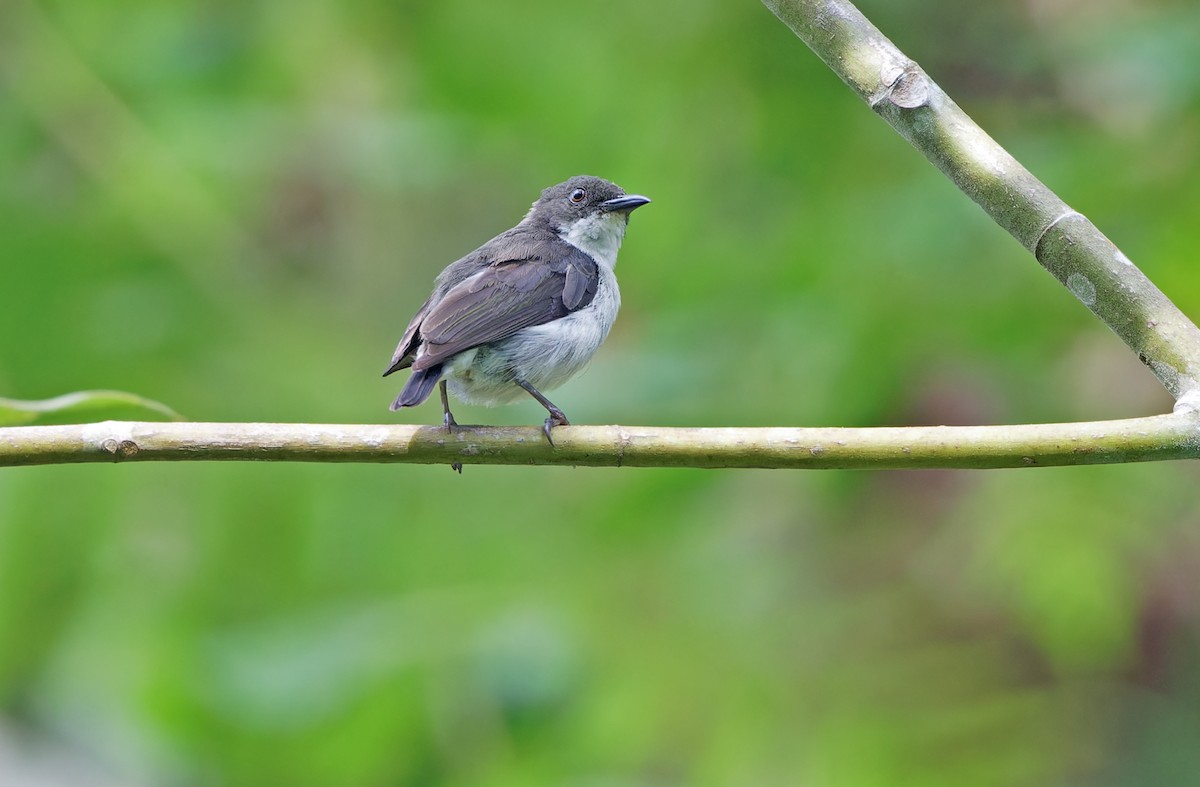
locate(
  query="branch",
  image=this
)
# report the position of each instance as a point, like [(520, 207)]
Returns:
[(1173, 436), (1064, 242)]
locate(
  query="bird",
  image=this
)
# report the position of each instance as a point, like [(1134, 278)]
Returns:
[(524, 312)]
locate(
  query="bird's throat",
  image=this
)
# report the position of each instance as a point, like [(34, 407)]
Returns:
[(598, 236)]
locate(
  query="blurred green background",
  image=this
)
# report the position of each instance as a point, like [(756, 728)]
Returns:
[(234, 208)]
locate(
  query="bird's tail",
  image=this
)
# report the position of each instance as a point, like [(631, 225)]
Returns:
[(418, 387)]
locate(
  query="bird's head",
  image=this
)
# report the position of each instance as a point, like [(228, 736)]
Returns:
[(588, 212), (583, 196)]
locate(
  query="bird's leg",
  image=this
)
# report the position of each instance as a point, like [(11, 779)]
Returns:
[(557, 417), (448, 421), (447, 417)]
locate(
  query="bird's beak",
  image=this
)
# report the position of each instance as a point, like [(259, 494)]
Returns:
[(626, 203)]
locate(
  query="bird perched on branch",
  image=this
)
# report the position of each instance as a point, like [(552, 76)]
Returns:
[(527, 310)]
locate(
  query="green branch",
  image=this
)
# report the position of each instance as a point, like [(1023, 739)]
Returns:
[(1064, 242), (1174, 436)]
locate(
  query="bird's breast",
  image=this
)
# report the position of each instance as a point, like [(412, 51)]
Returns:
[(559, 349), (545, 356)]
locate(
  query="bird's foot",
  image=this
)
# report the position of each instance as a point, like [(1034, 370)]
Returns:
[(449, 422), (557, 418)]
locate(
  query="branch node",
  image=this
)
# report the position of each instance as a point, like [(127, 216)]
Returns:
[(1188, 402), (624, 440), (903, 85), (120, 449), (1059, 219)]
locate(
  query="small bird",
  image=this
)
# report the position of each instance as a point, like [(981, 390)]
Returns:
[(525, 311)]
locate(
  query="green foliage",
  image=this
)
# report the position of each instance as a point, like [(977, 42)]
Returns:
[(235, 207), (84, 407)]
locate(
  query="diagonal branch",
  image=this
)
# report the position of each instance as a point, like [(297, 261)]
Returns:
[(1064, 242)]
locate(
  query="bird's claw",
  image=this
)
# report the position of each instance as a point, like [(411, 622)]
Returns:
[(556, 419), (449, 422)]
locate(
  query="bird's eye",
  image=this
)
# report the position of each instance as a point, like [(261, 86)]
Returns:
[(578, 196)]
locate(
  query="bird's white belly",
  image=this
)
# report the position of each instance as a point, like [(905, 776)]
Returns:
[(545, 356)]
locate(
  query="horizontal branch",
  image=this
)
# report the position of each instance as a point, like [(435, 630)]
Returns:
[(1160, 437)]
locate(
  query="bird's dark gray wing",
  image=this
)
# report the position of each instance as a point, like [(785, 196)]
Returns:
[(504, 298), (580, 279)]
